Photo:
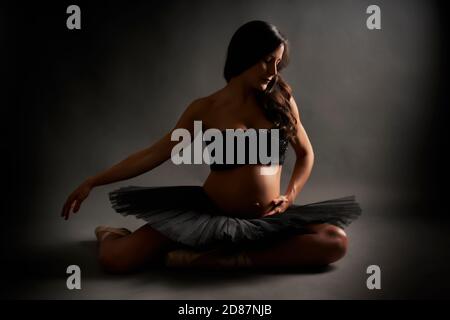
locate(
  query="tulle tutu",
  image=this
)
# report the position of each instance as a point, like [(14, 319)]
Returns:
[(186, 215)]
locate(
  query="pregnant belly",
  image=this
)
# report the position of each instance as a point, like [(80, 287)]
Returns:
[(243, 191)]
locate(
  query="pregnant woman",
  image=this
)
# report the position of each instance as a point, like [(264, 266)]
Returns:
[(239, 217)]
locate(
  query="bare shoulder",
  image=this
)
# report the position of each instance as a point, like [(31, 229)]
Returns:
[(296, 112), (294, 108), (197, 106), (207, 104), (300, 142)]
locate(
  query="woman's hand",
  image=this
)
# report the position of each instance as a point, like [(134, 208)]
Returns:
[(279, 205), (74, 201)]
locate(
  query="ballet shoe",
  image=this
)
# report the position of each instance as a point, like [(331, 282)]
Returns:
[(213, 259), (101, 232)]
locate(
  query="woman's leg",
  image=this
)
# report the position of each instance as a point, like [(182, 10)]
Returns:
[(325, 245), (121, 254)]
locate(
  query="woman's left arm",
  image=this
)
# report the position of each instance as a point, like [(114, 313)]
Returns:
[(303, 165), (304, 157)]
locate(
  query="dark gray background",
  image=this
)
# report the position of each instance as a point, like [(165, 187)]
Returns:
[(372, 102)]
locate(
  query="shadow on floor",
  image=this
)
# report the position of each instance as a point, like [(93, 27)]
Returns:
[(50, 263)]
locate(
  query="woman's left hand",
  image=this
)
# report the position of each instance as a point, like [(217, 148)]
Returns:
[(279, 205)]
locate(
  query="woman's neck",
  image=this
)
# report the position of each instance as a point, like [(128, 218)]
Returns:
[(240, 91)]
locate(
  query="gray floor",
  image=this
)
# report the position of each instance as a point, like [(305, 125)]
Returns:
[(412, 253)]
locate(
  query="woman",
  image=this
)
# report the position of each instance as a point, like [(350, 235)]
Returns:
[(238, 214)]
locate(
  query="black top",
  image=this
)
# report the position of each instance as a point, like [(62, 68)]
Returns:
[(283, 145)]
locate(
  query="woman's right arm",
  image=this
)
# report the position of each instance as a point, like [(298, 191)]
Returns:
[(137, 163)]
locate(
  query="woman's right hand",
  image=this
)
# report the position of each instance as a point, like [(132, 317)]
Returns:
[(74, 201)]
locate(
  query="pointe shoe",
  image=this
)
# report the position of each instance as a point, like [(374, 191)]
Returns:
[(183, 257), (214, 259), (101, 232)]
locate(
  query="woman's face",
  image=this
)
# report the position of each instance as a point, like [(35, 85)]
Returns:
[(262, 72)]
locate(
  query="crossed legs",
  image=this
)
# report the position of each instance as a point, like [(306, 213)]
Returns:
[(126, 253), (146, 246), (325, 245)]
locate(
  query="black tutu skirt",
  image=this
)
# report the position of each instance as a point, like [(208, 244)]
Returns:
[(186, 215)]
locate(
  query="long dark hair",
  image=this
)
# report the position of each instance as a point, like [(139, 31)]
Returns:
[(249, 44)]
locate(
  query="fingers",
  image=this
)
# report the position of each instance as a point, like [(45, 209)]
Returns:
[(67, 213), (77, 205), (69, 205), (278, 205), (279, 200), (66, 208), (273, 211), (276, 210), (71, 208)]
